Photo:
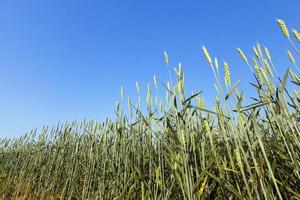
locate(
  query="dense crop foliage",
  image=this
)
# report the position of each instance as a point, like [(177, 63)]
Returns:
[(176, 148)]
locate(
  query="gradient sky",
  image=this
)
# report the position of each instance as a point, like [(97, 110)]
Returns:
[(66, 60)]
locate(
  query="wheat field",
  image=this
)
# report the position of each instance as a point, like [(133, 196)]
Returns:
[(173, 147)]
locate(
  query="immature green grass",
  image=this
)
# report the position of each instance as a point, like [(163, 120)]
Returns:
[(177, 149)]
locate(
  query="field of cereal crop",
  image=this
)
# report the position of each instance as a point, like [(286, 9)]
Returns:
[(176, 147)]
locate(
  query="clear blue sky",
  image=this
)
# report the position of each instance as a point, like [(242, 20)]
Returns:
[(65, 60)]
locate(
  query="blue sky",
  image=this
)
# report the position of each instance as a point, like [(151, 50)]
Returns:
[(66, 60)]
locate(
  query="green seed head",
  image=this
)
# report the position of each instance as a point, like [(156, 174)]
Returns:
[(217, 64), (258, 73), (227, 74), (296, 35), (166, 58), (267, 66), (137, 87), (291, 57), (122, 92), (155, 81), (243, 56), (283, 28), (267, 52), (206, 55)]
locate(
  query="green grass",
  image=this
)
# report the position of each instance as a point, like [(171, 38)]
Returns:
[(176, 149)]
